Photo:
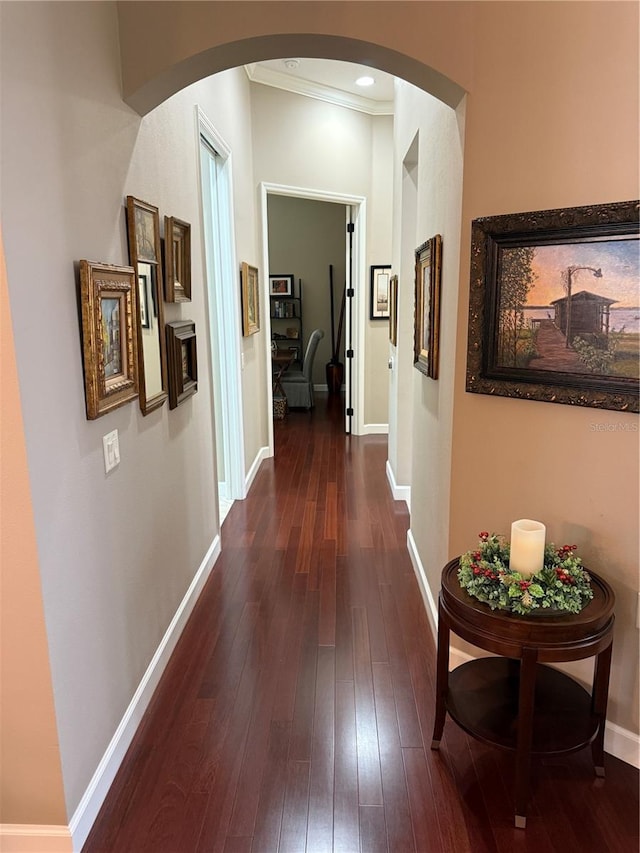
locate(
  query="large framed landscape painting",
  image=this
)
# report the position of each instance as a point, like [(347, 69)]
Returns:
[(554, 310)]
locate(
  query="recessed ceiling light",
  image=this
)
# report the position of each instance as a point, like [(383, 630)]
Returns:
[(365, 81)]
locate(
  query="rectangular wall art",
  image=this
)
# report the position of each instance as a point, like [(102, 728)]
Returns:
[(555, 306), (379, 302), (427, 307), (109, 339)]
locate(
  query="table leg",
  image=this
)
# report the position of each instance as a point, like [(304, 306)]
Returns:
[(442, 677), (599, 705), (526, 697)]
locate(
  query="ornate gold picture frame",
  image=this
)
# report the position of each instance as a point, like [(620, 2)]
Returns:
[(553, 307), (427, 307), (108, 299), (250, 300)]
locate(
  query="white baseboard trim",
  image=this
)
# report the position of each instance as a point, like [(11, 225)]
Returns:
[(93, 798), (36, 838), (622, 743), (421, 576), (261, 455), (375, 429), (400, 493), (619, 742), (322, 389)]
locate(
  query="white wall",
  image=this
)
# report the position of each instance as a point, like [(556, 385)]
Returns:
[(116, 552), (425, 406), (307, 143)]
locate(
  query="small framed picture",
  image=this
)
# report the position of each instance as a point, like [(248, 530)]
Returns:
[(250, 300), (143, 232), (146, 229), (427, 307), (182, 361), (379, 307), (393, 310), (109, 338), (280, 285), (177, 260)]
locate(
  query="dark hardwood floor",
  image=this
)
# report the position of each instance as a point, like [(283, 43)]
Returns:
[(296, 713)]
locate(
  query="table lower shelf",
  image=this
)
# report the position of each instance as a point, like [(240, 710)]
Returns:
[(482, 698)]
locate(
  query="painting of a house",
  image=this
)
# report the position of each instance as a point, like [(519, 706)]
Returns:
[(585, 314)]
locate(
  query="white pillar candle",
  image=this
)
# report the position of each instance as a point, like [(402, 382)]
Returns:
[(527, 547)]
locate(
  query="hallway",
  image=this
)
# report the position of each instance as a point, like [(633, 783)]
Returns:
[(296, 712)]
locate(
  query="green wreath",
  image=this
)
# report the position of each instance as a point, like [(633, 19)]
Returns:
[(561, 584)]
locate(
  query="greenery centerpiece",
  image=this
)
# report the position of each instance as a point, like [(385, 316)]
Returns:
[(562, 583)]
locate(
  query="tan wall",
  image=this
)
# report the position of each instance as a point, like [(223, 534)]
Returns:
[(167, 45), (545, 134), (31, 779), (552, 120)]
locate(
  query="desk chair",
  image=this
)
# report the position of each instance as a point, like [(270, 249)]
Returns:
[(297, 384)]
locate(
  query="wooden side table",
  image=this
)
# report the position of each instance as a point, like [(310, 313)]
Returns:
[(512, 701)]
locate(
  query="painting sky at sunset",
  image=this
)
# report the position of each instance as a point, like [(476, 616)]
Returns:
[(618, 259)]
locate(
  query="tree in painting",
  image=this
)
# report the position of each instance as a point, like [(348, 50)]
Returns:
[(516, 277)]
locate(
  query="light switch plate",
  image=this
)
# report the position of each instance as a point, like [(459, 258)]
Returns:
[(111, 448)]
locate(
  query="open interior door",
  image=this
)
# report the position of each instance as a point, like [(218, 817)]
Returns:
[(349, 318)]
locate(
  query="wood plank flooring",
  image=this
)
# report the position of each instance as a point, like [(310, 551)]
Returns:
[(296, 713)]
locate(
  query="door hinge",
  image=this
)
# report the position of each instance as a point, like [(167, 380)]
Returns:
[(350, 412), (350, 227), (351, 292), (349, 353)]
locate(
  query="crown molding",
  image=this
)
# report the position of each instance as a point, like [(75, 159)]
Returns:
[(288, 82)]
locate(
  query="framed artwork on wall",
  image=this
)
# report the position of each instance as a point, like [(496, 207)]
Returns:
[(393, 310), (426, 347), (379, 301), (250, 300), (143, 232), (182, 360), (280, 285), (554, 306), (109, 339), (177, 260)]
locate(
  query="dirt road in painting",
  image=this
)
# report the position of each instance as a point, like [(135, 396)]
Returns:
[(553, 354)]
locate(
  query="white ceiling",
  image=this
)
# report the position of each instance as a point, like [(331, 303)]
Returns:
[(327, 80)]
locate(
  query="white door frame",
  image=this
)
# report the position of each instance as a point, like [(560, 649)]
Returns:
[(223, 308), (358, 204)]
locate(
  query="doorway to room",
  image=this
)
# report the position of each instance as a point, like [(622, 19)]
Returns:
[(223, 303), (317, 236)]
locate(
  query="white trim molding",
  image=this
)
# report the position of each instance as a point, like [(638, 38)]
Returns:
[(94, 796), (400, 493), (35, 838), (261, 455), (375, 429), (619, 742)]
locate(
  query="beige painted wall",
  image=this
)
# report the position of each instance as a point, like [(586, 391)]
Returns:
[(31, 779), (556, 133), (117, 552), (538, 134), (429, 44), (310, 144), (425, 406), (305, 236)]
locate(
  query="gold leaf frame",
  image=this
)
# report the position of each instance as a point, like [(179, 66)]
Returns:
[(109, 342), (250, 300)]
